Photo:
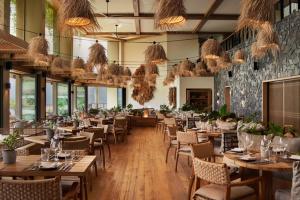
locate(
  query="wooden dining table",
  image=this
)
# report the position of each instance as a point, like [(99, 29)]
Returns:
[(265, 168), (70, 129), (24, 167), (43, 139)]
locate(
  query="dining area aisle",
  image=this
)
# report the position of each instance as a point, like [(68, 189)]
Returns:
[(138, 171)]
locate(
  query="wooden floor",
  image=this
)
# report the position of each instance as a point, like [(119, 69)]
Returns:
[(138, 171)]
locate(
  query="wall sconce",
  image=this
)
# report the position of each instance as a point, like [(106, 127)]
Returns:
[(7, 85)]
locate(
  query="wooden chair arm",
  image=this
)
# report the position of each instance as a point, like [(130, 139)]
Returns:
[(246, 182)]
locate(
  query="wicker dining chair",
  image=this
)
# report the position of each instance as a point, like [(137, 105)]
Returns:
[(172, 140), (47, 189), (220, 186), (184, 142), (119, 128), (101, 132), (83, 144), (159, 122), (168, 122), (87, 122)]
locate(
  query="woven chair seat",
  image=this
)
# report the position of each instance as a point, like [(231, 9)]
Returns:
[(216, 192), (174, 142)]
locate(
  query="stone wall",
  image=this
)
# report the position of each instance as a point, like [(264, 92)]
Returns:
[(246, 83)]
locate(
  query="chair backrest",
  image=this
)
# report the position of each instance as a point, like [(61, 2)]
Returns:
[(204, 151), (216, 173), (120, 122), (77, 144), (160, 116), (89, 135), (98, 132), (87, 122), (172, 130), (229, 140), (170, 121), (191, 122), (187, 137), (47, 189)]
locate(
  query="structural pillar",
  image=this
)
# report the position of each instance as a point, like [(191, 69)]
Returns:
[(4, 92), (40, 96)]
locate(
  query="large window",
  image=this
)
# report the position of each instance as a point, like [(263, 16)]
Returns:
[(62, 99), (49, 98), (49, 27), (13, 18), (13, 96), (28, 98), (97, 97), (80, 98)]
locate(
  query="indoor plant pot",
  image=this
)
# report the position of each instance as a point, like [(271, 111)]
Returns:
[(9, 156)]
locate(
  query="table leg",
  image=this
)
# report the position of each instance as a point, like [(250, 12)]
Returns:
[(85, 187), (81, 187), (267, 185)]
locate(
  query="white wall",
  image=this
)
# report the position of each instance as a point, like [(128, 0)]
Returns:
[(194, 83)]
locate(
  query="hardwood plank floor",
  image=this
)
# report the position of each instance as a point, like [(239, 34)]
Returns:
[(138, 171)]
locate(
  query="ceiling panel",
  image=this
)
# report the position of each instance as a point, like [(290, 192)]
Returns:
[(125, 25), (229, 7), (192, 6), (219, 26), (114, 6), (147, 25)]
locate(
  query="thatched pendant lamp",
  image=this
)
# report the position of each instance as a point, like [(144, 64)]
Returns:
[(38, 49), (155, 54), (212, 66), (77, 67), (97, 55), (77, 14), (267, 39), (239, 57), (211, 49), (113, 69), (200, 69), (186, 68), (169, 14), (60, 66), (224, 61), (255, 12), (127, 74)]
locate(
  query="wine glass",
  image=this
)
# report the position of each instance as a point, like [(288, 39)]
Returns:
[(248, 143)]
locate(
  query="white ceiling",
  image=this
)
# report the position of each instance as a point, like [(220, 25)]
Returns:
[(147, 6)]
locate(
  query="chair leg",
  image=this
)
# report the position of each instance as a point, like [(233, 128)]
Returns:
[(177, 157), (95, 167), (103, 156), (167, 154), (109, 152), (115, 138), (192, 179)]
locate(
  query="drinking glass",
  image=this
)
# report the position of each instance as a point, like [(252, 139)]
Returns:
[(69, 159), (248, 143), (45, 154)]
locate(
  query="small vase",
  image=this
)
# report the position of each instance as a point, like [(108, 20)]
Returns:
[(9, 156)]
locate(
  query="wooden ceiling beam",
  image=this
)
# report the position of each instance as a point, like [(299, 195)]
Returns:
[(151, 16), (209, 13), (136, 8), (155, 33)]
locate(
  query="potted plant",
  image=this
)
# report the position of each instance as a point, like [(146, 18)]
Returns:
[(164, 109), (9, 153), (75, 120)]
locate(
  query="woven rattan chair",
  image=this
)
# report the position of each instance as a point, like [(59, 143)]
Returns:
[(83, 144), (119, 128), (48, 189), (172, 140), (87, 122), (101, 136), (168, 122), (184, 142), (159, 122), (220, 186)]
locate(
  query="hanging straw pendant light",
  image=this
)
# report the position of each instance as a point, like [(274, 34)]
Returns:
[(77, 14), (60, 66), (239, 57), (256, 52), (224, 61), (77, 67), (97, 55), (185, 68), (212, 66), (38, 49), (211, 49), (155, 54), (200, 69), (255, 12), (169, 14)]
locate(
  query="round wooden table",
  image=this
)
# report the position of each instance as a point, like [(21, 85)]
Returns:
[(265, 169)]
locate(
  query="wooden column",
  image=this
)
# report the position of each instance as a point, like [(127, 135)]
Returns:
[(4, 92), (86, 98), (40, 96), (69, 98)]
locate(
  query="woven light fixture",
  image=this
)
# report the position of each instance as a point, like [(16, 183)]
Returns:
[(60, 66), (224, 61), (77, 14), (38, 49), (212, 66), (101, 76), (267, 39), (255, 12), (239, 57), (97, 55), (211, 49), (170, 78), (256, 52), (127, 74), (155, 54), (200, 69), (185, 68), (77, 67), (169, 14)]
